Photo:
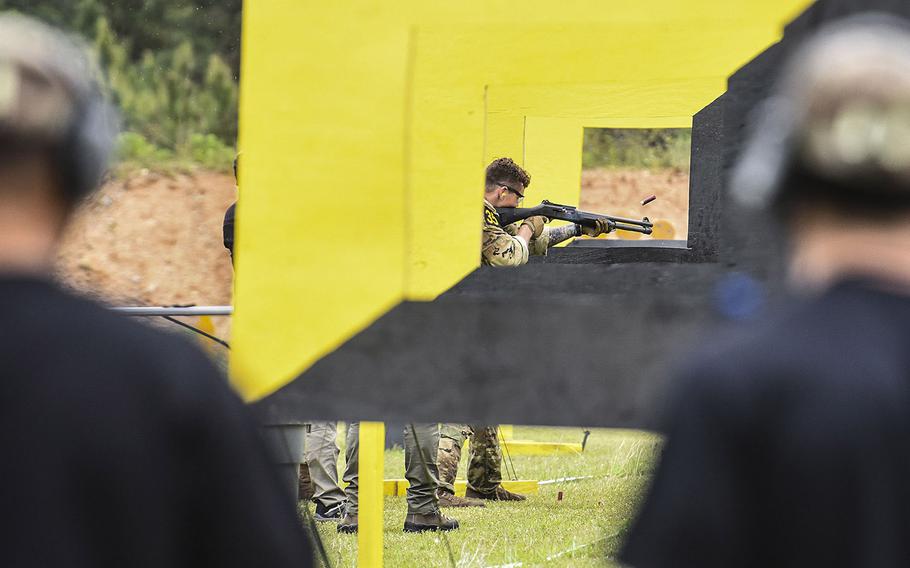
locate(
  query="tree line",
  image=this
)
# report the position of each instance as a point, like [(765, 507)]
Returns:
[(648, 148), (171, 66)]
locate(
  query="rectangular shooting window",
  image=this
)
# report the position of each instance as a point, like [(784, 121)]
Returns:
[(622, 168)]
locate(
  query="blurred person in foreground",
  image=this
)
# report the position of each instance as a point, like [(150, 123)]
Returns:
[(121, 446), (790, 446)]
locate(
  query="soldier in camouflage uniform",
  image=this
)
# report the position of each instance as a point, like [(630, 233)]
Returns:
[(509, 245)]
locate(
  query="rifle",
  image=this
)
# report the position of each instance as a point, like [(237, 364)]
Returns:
[(509, 215)]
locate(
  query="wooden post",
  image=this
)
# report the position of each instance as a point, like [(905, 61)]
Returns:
[(370, 507)]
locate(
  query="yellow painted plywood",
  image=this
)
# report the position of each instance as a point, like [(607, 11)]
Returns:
[(531, 448)]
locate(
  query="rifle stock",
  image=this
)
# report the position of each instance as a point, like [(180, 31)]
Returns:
[(509, 215)]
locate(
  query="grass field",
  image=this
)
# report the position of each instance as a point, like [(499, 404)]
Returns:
[(584, 529)]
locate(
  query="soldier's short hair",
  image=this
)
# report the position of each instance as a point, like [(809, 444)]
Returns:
[(505, 170)]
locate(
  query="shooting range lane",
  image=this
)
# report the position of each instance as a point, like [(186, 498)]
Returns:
[(524, 345), (364, 192)]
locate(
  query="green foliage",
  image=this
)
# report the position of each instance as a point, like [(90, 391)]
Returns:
[(210, 152), (171, 67), (149, 25), (134, 148), (135, 151), (647, 148)]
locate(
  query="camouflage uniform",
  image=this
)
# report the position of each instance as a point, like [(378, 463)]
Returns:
[(485, 462), (500, 246)]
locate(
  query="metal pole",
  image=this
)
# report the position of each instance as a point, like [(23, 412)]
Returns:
[(164, 311)]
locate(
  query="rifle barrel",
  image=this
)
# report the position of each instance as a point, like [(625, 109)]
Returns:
[(639, 222), (634, 228)]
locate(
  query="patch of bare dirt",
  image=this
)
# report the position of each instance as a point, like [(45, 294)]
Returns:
[(620, 192), (153, 239)]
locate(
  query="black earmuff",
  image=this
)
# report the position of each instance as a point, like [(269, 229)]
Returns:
[(85, 151)]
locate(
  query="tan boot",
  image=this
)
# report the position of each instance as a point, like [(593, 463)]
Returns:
[(305, 488), (447, 499), (423, 522), (348, 524), (500, 494)]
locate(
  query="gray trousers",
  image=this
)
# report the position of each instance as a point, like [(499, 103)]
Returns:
[(320, 453), (423, 478)]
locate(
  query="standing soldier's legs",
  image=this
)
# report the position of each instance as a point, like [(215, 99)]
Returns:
[(485, 465), (352, 444), (305, 489), (322, 458), (451, 439), (422, 474), (421, 445)]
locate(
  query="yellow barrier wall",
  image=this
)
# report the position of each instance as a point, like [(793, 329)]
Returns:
[(365, 128)]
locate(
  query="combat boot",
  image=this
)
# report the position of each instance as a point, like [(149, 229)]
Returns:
[(305, 487), (500, 494), (447, 499), (348, 524), (333, 513), (423, 522)]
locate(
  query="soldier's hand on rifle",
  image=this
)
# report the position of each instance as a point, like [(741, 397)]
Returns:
[(535, 224), (603, 226)]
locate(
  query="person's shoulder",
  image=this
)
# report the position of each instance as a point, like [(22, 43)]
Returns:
[(808, 346), (95, 318), (104, 339), (490, 216)]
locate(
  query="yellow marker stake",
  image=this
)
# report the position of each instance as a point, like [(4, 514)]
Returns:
[(206, 324), (370, 506)]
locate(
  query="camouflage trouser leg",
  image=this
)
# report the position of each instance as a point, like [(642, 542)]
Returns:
[(485, 467), (451, 439)]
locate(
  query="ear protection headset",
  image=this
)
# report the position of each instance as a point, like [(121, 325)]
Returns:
[(83, 154), (774, 164), (82, 147)]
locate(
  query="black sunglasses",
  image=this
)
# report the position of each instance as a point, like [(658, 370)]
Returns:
[(512, 189)]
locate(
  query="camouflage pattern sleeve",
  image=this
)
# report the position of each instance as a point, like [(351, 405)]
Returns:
[(552, 236), (539, 245), (500, 247)]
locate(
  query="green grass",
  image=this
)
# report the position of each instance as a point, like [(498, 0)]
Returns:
[(591, 518)]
